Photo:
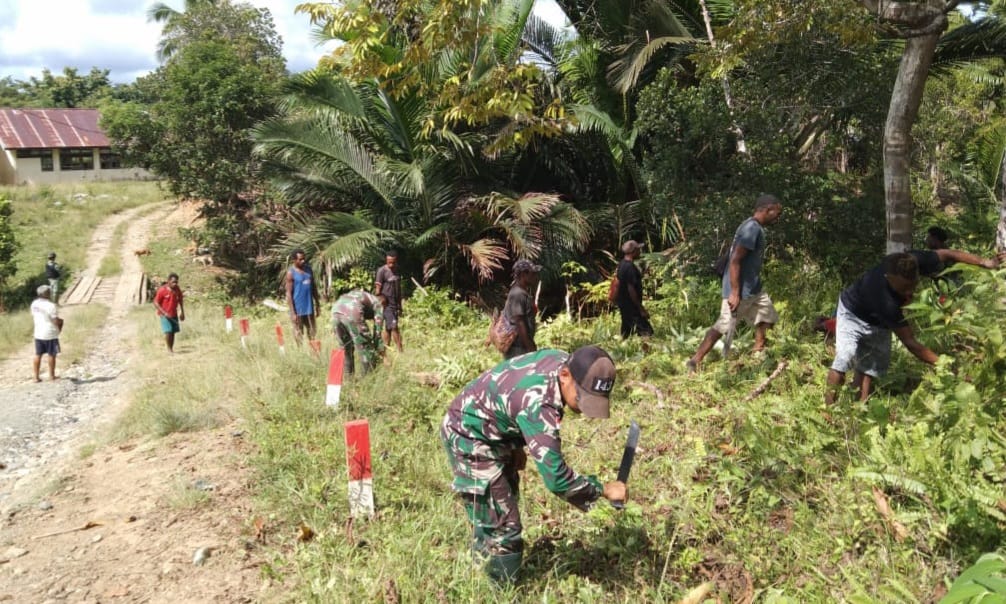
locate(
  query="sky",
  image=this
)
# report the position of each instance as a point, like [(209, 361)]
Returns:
[(115, 35)]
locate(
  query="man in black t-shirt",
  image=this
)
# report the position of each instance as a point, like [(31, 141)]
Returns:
[(635, 318), (520, 310), (868, 311)]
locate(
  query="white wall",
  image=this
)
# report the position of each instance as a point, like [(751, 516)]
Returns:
[(6, 167), (28, 171)]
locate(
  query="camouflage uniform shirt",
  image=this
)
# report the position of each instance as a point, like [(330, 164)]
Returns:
[(356, 307), (515, 403)]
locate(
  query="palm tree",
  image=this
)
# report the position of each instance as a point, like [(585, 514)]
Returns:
[(358, 159), (170, 18), (978, 47)]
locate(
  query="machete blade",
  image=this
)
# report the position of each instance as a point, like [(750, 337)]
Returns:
[(631, 442), (729, 338)]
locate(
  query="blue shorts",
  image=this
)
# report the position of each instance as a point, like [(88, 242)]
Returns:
[(49, 347), (170, 325)]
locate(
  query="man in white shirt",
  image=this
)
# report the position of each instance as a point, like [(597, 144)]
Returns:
[(47, 328)]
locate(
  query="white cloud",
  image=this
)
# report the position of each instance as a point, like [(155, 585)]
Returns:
[(115, 35)]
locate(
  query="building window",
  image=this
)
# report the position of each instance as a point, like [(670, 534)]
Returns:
[(76, 159), (110, 160), (44, 156)]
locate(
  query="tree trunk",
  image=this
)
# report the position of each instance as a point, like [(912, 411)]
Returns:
[(742, 146), (904, 108), (1001, 228)]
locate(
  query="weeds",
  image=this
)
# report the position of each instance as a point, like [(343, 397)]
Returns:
[(773, 499)]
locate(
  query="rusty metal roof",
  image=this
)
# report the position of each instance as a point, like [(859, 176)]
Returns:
[(50, 128)]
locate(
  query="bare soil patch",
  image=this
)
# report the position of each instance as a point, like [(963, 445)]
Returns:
[(125, 521)]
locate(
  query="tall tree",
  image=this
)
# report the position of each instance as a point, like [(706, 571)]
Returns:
[(172, 22), (978, 46), (222, 78), (8, 245), (920, 24)]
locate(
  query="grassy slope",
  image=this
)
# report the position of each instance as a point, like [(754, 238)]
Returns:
[(769, 498), (60, 219)]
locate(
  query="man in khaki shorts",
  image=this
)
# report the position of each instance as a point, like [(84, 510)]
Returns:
[(743, 297)]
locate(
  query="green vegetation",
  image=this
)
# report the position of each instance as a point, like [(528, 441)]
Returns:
[(61, 219), (778, 497), (430, 130), (8, 244), (82, 323), (111, 264)]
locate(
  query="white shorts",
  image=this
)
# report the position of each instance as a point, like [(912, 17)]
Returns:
[(859, 345), (755, 309)]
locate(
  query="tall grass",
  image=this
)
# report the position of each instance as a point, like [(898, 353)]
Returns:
[(771, 498), (80, 325), (16, 330), (82, 322), (111, 263)]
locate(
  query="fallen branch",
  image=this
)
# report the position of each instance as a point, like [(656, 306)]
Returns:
[(653, 389), (90, 525), (764, 385), (421, 288), (899, 530)]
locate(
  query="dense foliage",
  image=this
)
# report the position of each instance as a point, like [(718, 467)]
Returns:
[(8, 245)]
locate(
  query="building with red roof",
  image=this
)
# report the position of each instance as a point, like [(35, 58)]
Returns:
[(46, 146)]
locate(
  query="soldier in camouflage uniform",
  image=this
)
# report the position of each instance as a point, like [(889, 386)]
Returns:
[(515, 404), (349, 321)]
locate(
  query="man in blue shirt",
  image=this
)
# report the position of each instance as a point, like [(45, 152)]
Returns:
[(743, 297), (302, 296)]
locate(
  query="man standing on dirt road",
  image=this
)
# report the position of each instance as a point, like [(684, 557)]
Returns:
[(388, 285), (519, 403), (302, 296), (743, 297), (169, 306), (52, 273), (47, 328)]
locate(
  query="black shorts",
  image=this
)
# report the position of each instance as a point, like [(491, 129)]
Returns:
[(390, 314), (49, 347)]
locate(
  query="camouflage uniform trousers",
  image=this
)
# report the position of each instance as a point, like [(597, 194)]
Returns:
[(351, 338), (494, 515)]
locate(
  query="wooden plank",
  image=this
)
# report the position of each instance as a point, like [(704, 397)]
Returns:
[(65, 298), (91, 290), (80, 291)]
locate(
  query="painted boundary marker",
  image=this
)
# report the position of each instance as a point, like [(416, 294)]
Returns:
[(245, 329), (361, 478), (279, 338), (229, 318), (336, 363)]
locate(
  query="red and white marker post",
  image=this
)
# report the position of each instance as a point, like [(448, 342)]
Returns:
[(279, 338), (361, 478), (245, 329), (228, 318), (336, 363)]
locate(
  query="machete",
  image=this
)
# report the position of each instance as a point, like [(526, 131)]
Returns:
[(627, 456), (729, 338)]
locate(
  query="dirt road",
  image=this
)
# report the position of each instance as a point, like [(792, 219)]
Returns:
[(124, 523)]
